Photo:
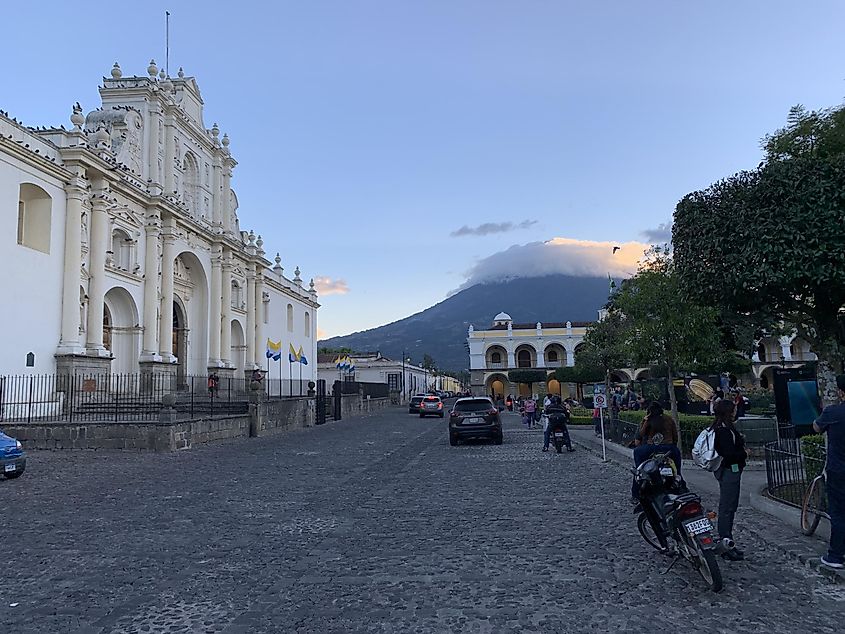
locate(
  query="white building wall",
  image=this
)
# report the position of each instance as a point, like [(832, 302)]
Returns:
[(32, 281)]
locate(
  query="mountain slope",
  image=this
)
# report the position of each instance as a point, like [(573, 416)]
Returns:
[(442, 329)]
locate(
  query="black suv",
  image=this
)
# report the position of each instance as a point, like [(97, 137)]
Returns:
[(414, 404), (474, 417)]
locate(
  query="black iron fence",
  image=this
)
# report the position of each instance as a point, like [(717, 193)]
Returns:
[(372, 390), (789, 471), (130, 397)]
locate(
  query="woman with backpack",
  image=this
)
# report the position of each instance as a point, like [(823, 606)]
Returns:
[(730, 445)]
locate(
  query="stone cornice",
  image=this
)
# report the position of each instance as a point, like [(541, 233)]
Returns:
[(37, 161)]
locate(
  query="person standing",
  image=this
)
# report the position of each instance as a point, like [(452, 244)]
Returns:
[(730, 444), (528, 408), (832, 423)]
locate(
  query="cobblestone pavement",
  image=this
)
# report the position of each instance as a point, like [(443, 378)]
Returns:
[(366, 525)]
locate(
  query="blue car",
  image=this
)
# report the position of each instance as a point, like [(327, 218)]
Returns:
[(12, 457)]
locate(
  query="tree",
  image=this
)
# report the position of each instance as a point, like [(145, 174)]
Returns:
[(774, 238), (327, 350), (663, 329), (526, 375), (604, 350), (428, 363)]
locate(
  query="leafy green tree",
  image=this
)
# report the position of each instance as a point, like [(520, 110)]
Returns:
[(663, 329), (604, 350), (774, 238), (328, 350), (526, 375)]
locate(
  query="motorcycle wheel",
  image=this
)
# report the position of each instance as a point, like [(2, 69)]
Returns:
[(648, 533), (708, 568)]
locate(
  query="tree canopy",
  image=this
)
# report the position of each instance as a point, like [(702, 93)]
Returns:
[(527, 375), (774, 237)]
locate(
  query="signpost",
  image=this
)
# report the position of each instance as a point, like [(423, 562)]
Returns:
[(600, 402)]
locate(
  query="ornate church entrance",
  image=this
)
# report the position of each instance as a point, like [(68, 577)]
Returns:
[(180, 344)]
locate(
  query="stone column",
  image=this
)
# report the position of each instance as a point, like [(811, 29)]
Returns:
[(226, 325), (225, 211), (169, 152), (69, 342), (250, 314), (511, 358), (786, 348), (151, 286), (259, 322), (165, 332), (98, 244), (216, 306), (217, 189)]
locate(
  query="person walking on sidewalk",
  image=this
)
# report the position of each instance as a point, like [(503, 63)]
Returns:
[(832, 423), (730, 444)]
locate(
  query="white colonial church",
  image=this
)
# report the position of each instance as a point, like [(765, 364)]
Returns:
[(121, 250)]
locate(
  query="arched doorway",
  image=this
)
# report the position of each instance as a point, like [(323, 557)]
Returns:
[(121, 333), (190, 300), (180, 341), (497, 384), (553, 386), (238, 353)]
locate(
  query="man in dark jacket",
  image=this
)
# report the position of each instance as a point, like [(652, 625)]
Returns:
[(558, 415), (832, 423)]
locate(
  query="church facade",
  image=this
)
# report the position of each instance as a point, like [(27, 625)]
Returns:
[(122, 250)]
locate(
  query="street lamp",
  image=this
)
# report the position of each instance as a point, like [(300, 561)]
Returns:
[(403, 375)]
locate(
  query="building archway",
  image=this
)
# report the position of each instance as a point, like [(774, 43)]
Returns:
[(190, 284), (553, 386), (180, 341), (238, 353), (497, 384), (555, 356), (121, 330), (496, 357), (526, 356)]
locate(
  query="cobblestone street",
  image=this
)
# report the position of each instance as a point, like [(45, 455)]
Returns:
[(366, 525)]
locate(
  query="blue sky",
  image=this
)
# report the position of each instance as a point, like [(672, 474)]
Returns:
[(368, 131)]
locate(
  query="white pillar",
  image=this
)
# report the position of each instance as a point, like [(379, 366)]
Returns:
[(226, 324), (259, 321), (151, 286), (216, 307), (98, 244), (69, 342), (165, 333), (511, 358), (250, 314)]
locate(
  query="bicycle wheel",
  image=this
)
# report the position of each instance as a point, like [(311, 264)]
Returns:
[(647, 531), (813, 507)]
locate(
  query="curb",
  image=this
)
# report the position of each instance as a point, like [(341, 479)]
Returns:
[(798, 549)]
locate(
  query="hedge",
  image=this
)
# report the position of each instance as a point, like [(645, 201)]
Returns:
[(813, 447)]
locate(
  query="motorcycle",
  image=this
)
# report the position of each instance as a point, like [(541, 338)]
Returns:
[(559, 433), (672, 520)]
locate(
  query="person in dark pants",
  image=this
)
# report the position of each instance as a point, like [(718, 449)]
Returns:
[(832, 423), (657, 434), (730, 444), (558, 416)]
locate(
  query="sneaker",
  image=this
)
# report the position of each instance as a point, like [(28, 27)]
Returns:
[(836, 565), (571, 449), (545, 449), (733, 555)]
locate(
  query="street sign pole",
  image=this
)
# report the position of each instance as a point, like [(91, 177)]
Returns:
[(600, 402)]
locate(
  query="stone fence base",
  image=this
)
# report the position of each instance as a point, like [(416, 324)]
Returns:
[(264, 418)]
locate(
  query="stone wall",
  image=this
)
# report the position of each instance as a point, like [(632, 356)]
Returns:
[(265, 418)]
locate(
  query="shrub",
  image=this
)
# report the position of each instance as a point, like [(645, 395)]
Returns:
[(812, 447)]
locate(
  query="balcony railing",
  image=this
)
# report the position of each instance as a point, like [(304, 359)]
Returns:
[(500, 365)]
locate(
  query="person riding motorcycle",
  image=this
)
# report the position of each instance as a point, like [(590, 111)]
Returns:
[(557, 413), (657, 434)]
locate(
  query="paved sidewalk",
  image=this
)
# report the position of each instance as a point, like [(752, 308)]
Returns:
[(776, 524)]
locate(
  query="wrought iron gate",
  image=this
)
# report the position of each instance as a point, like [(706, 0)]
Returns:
[(321, 401)]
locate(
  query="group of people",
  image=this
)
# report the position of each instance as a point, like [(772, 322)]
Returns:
[(735, 396), (658, 434)]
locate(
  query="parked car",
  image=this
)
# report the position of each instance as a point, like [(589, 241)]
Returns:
[(12, 457), (431, 406), (414, 403), (474, 417)]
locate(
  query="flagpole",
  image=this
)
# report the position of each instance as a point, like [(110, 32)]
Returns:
[(300, 377)]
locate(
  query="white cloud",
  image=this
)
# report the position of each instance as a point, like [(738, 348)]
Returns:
[(328, 286), (659, 235), (567, 256)]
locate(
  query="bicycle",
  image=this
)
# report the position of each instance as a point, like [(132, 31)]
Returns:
[(814, 506)]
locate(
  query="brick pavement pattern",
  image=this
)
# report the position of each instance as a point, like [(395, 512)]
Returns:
[(367, 525)]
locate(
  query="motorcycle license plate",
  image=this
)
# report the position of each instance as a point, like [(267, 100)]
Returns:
[(666, 471), (558, 434), (699, 526), (10, 468)]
